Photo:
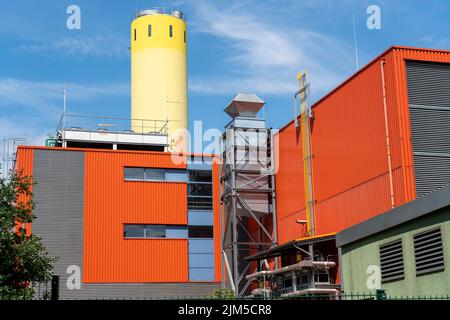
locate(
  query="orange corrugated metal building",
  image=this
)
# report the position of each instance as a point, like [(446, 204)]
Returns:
[(350, 171), (97, 198)]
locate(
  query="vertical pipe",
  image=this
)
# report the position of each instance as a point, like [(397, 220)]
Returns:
[(221, 211), (388, 143), (274, 202), (341, 271)]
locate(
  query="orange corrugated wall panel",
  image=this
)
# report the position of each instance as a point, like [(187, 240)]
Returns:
[(290, 194), (24, 164), (350, 167), (110, 201)]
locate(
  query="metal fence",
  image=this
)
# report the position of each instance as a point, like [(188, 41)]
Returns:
[(43, 292)]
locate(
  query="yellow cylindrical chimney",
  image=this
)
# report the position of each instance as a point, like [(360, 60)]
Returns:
[(159, 73)]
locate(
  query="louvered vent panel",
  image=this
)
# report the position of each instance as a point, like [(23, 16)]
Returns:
[(429, 106), (391, 261), (428, 252)]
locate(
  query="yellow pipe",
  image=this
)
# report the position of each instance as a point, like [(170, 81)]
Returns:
[(306, 149)]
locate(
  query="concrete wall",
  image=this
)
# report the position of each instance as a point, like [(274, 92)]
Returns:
[(59, 211), (359, 255)]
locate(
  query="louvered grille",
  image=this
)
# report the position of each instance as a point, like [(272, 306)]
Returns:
[(391, 261), (428, 252), (429, 106)]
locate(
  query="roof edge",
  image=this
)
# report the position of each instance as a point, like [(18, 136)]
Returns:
[(211, 155), (385, 52), (410, 211)]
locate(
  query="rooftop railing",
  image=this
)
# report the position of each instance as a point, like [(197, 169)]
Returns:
[(112, 124), (158, 11)]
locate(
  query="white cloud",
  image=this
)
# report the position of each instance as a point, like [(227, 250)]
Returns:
[(44, 94), (105, 46), (430, 41), (264, 56)]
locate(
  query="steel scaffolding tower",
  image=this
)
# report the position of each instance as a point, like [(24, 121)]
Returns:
[(248, 211)]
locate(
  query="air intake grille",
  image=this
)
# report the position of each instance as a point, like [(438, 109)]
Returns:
[(428, 252), (429, 109), (391, 261)]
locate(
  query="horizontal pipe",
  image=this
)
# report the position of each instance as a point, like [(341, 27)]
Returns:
[(297, 266)]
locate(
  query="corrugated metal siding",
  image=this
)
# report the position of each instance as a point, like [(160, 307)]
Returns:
[(59, 197), (429, 106), (142, 290), (60, 220), (111, 202), (403, 54), (350, 173), (350, 165), (24, 164)]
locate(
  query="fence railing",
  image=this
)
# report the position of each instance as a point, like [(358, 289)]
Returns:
[(112, 124), (45, 294)]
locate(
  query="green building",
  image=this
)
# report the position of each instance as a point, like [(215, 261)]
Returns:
[(405, 251)]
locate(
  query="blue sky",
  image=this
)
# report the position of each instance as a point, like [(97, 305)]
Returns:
[(245, 45)]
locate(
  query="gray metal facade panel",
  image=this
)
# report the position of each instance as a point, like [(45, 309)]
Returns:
[(428, 83), (142, 290), (59, 211), (429, 105), (59, 196)]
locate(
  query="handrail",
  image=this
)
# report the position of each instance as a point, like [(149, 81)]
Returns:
[(159, 11), (93, 123)]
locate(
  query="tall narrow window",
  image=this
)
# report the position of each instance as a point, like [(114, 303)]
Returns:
[(185, 36), (171, 31), (134, 34), (149, 30)]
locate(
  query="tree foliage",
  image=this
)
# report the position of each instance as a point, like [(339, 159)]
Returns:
[(24, 260), (222, 294)]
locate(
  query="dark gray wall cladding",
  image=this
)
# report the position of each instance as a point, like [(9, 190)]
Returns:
[(429, 105), (59, 196)]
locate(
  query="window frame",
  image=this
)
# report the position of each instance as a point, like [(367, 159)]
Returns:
[(165, 237), (147, 169)]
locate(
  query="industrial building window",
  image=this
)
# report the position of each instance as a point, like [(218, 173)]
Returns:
[(149, 30), (200, 232), (134, 34), (391, 261), (134, 173), (155, 174), (428, 252), (184, 36), (200, 190), (171, 31), (134, 231), (200, 176), (155, 231)]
